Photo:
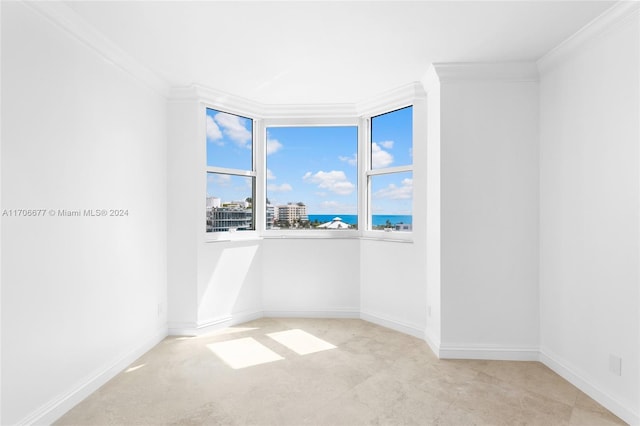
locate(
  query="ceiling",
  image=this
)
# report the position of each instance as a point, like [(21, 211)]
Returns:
[(303, 52)]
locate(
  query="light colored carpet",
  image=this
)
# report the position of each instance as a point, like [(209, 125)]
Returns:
[(328, 372)]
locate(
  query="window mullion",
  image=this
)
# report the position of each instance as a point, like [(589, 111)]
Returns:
[(364, 162), (260, 172), (236, 172), (390, 170)]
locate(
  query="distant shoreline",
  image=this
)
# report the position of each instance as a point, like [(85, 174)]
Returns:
[(352, 219)]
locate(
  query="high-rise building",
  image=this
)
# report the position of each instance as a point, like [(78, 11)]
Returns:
[(271, 216), (292, 212), (228, 216)]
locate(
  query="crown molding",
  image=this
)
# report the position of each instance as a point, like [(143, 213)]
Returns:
[(303, 111), (71, 22), (68, 20), (486, 71), (617, 15), (391, 99), (217, 99), (430, 79)]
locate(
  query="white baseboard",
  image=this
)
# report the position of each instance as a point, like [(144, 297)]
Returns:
[(394, 324), (432, 342), (183, 328), (314, 313), (212, 324), (217, 324), (58, 406), (570, 374), (491, 352)]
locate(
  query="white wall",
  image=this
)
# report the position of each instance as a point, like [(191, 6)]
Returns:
[(393, 290), (210, 284), (229, 282), (393, 275), (80, 294), (431, 83), (590, 215), (311, 277), (183, 226), (489, 210)]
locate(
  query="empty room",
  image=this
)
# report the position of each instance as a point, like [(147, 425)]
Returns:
[(320, 212)]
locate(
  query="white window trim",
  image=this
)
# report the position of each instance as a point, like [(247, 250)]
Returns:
[(264, 115), (202, 133), (308, 122), (367, 232)]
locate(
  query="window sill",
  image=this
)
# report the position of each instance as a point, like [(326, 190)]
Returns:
[(317, 235), (390, 236), (393, 236), (225, 237)]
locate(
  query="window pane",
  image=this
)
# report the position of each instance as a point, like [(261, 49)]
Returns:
[(229, 140), (229, 203), (392, 201), (312, 177), (392, 139)]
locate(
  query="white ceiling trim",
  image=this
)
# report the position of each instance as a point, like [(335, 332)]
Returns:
[(391, 99), (217, 99), (242, 106), (71, 22), (615, 16), (378, 104), (67, 19), (303, 111)]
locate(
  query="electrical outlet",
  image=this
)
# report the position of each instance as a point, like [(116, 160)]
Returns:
[(159, 310), (429, 311), (615, 365)]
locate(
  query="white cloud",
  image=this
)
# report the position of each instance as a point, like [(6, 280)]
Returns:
[(270, 175), (234, 129), (334, 181), (352, 161), (213, 131), (395, 192), (379, 157), (279, 188), (219, 179), (273, 145), (386, 144)]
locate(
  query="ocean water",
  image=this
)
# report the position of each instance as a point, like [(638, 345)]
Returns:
[(378, 219)]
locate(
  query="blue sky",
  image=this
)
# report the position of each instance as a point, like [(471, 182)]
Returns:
[(315, 165), (307, 167)]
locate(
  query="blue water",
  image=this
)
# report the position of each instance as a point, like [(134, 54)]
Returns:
[(352, 219)]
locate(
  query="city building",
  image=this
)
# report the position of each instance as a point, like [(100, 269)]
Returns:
[(229, 219), (228, 216), (270, 216), (335, 223), (292, 212), (403, 227)]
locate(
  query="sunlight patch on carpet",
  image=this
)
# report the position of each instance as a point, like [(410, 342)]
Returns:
[(242, 353), (301, 342)]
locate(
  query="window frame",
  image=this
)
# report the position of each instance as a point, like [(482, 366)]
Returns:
[(253, 174), (309, 122), (369, 172), (265, 115)]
